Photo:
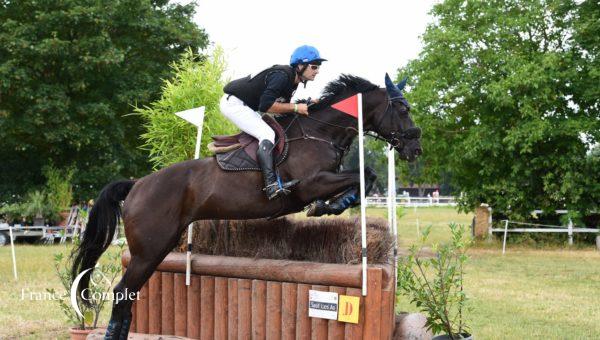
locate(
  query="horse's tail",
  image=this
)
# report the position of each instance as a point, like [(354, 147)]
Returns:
[(100, 229)]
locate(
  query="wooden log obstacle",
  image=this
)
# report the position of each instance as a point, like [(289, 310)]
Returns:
[(243, 298)]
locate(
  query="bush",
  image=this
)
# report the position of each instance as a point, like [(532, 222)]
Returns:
[(102, 280), (435, 285), (36, 205), (197, 82), (13, 213), (58, 188)]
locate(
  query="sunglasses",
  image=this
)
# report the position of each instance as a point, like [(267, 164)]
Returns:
[(314, 67)]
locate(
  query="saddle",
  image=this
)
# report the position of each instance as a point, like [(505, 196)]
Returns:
[(238, 152)]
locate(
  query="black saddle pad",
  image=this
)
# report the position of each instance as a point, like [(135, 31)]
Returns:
[(240, 160)]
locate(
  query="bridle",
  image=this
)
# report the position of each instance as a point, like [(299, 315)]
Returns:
[(395, 136), (395, 141)]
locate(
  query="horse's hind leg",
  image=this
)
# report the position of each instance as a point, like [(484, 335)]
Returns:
[(146, 254)]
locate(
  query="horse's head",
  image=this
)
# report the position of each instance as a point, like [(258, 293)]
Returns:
[(394, 123)]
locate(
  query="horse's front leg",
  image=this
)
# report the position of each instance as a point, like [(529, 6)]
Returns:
[(342, 198)]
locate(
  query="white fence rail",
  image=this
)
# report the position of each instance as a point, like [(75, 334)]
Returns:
[(413, 201), (570, 229)]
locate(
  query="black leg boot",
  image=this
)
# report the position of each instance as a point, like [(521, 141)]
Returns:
[(350, 198), (273, 185)]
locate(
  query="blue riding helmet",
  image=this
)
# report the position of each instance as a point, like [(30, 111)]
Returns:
[(305, 54)]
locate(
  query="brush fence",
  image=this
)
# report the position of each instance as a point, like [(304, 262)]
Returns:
[(244, 298)]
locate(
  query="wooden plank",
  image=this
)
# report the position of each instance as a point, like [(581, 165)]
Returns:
[(207, 307), (154, 301), (302, 320), (318, 325), (180, 298), (194, 320), (372, 327), (335, 329), (168, 306), (355, 331), (142, 310), (289, 296), (220, 308), (273, 325), (232, 309), (387, 303), (329, 274), (259, 297), (244, 309)]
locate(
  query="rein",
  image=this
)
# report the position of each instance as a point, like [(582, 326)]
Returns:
[(395, 141), (307, 136)]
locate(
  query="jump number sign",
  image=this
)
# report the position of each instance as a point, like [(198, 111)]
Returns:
[(348, 308), (330, 305)]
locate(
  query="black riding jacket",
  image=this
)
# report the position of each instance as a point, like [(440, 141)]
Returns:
[(260, 92)]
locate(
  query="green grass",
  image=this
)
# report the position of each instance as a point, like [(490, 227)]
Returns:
[(526, 294), (24, 313)]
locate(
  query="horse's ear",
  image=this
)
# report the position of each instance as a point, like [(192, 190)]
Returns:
[(402, 83), (392, 91)]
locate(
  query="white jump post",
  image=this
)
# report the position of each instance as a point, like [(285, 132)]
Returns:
[(363, 199), (392, 203), (196, 117), (12, 247)]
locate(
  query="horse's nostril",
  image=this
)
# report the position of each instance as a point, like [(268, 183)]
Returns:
[(418, 152)]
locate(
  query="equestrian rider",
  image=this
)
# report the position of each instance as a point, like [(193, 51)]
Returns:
[(246, 99)]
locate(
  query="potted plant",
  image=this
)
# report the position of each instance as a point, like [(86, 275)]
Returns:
[(100, 289), (60, 192), (36, 207), (12, 212), (435, 284)]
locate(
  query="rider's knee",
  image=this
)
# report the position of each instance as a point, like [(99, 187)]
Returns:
[(267, 134)]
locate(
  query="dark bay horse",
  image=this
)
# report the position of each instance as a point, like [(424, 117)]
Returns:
[(158, 207)]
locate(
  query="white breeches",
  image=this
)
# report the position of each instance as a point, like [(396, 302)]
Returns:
[(246, 119)]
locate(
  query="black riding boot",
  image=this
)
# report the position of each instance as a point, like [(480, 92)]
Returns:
[(273, 188)]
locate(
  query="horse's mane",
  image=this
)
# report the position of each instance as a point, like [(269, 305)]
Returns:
[(340, 88)]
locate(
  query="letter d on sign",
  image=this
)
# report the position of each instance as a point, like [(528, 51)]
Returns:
[(349, 308)]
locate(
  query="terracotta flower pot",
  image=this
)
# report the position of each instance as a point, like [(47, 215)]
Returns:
[(80, 334), (64, 216)]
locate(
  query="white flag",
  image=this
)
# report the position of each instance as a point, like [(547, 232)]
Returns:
[(194, 116)]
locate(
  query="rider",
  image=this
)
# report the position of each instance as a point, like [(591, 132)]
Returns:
[(271, 90)]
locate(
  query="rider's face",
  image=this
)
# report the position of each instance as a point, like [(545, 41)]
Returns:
[(311, 71)]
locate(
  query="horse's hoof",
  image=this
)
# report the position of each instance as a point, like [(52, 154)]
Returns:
[(316, 209)]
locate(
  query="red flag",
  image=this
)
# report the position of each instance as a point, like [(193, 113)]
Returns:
[(348, 106)]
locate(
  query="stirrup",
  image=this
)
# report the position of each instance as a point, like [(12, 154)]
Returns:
[(278, 188)]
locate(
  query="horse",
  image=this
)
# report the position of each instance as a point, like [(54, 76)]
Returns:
[(158, 207)]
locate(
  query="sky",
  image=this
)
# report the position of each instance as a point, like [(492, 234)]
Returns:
[(363, 38)]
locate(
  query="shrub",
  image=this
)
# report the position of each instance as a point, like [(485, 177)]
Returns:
[(59, 188), (435, 285), (197, 82)]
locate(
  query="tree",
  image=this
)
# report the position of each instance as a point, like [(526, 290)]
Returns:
[(506, 92), (69, 72)]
